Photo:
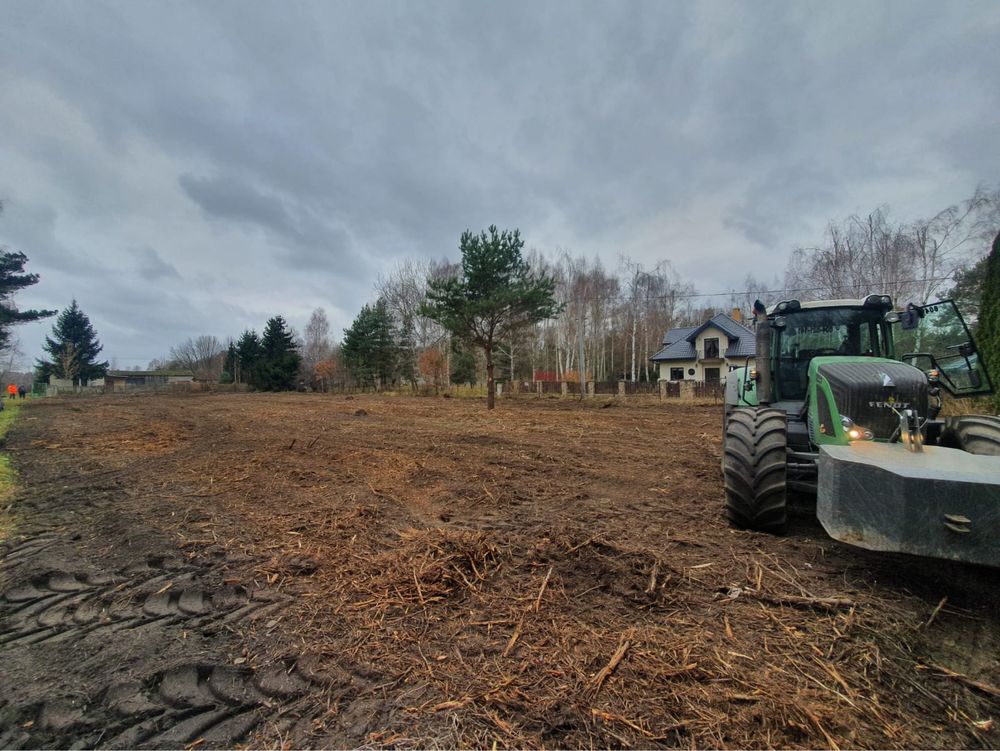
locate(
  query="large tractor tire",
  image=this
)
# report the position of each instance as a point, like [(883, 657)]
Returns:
[(977, 434), (754, 465)]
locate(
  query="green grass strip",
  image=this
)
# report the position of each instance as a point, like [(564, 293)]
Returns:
[(8, 475)]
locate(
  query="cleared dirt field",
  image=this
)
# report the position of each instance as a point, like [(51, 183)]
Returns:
[(302, 570)]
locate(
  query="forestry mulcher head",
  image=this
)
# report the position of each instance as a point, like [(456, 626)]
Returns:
[(829, 409)]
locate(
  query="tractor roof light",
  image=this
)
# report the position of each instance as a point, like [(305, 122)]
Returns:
[(878, 301), (787, 306)]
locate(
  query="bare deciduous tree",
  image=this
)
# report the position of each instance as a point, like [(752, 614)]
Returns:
[(203, 356), (910, 261), (316, 345)]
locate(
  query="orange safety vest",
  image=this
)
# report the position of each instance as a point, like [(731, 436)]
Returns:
[(12, 389)]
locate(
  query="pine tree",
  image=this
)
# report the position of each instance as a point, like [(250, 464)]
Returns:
[(280, 362), (13, 279), (73, 349), (495, 296), (989, 319), (968, 290)]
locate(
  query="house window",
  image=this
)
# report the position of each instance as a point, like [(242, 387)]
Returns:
[(711, 375), (711, 349), (677, 374)]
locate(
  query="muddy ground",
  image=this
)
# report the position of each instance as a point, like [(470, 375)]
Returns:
[(313, 571)]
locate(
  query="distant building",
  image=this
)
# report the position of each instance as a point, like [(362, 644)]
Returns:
[(706, 352), (122, 380)]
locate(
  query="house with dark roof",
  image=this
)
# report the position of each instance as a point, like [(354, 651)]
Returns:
[(706, 352)]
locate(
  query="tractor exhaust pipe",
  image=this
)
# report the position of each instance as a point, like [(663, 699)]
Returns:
[(763, 358)]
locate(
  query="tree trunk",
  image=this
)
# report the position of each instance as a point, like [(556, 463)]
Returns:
[(511, 379), (645, 352), (612, 378), (490, 393), (635, 326)]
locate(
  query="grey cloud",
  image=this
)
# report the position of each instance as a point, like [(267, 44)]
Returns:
[(309, 241), (237, 201), (153, 268), (780, 199), (33, 229)]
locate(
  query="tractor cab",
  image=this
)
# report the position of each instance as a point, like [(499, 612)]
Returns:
[(837, 328)]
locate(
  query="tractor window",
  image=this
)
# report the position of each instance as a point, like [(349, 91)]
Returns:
[(940, 340), (817, 332)]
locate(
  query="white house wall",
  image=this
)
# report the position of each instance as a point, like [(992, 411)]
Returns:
[(699, 369)]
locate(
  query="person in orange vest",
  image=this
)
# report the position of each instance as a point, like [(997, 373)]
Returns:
[(12, 390)]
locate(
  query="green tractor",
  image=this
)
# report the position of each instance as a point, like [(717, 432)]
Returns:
[(844, 403)]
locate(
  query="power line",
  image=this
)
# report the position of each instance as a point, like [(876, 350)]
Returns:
[(692, 295)]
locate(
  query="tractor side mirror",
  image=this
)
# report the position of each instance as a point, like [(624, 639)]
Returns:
[(909, 320)]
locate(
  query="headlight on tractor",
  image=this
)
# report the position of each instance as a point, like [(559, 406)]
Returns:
[(855, 432)]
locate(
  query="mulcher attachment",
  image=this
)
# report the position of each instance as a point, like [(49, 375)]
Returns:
[(941, 502)]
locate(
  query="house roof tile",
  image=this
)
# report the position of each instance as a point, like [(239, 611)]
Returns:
[(674, 334), (679, 342)]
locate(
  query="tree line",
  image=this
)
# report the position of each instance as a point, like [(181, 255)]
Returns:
[(612, 320), (599, 322)]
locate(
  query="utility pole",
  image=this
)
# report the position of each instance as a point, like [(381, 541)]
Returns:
[(583, 364)]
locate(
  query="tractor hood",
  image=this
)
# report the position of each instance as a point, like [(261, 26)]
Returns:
[(869, 389)]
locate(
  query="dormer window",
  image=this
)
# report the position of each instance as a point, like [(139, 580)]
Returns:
[(711, 349)]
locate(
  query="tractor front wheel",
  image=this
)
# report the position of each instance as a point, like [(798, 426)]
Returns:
[(977, 434), (754, 465)]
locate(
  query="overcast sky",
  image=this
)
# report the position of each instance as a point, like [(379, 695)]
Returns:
[(188, 168)]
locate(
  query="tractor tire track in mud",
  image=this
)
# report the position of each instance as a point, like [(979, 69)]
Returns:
[(216, 705), (63, 605), (141, 654)]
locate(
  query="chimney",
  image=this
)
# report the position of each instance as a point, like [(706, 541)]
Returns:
[(737, 315)]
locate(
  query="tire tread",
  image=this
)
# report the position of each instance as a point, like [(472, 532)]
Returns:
[(754, 469)]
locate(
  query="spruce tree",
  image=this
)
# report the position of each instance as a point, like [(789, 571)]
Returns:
[(370, 350), (73, 349), (989, 319), (229, 365), (279, 367), (249, 354)]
